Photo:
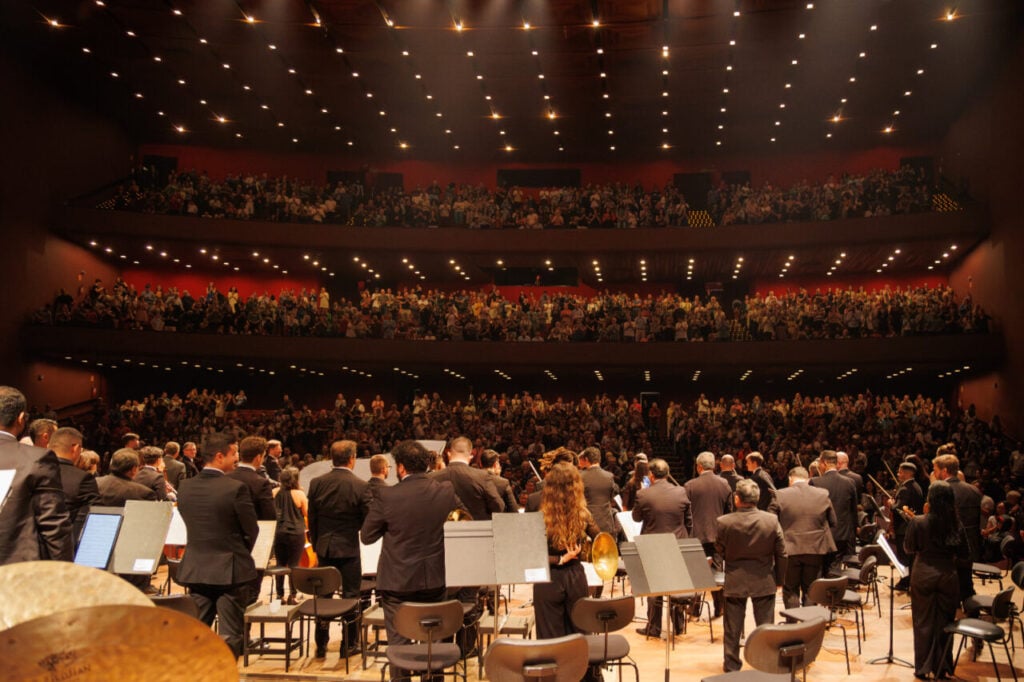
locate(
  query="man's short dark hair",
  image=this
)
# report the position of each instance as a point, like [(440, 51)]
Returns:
[(829, 457), (592, 454), (912, 468), (151, 454), (123, 461), (755, 457), (413, 456), (948, 463), (488, 458), (659, 468), (12, 405), (37, 427), (171, 448), (251, 447), (214, 443), (64, 437), (343, 452)]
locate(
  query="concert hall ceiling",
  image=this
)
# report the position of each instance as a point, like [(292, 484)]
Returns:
[(528, 81)]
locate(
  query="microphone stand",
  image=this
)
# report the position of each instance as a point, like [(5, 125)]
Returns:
[(889, 659)]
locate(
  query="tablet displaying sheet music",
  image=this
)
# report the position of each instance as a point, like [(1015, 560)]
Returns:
[(98, 537)]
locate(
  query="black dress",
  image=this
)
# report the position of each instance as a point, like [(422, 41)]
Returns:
[(553, 601), (934, 593)]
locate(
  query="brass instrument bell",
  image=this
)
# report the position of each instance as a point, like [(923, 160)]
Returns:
[(605, 556)]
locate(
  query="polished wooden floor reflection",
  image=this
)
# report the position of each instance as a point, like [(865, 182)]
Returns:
[(695, 656)]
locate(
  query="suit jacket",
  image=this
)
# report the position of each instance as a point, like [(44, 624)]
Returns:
[(338, 503), (663, 508), (114, 490), (261, 490), (152, 479), (907, 495), (222, 529), (600, 489), (175, 471), (856, 478), (374, 486), (807, 519), (767, 486), (410, 517), (505, 493), (80, 492), (34, 522), (731, 477), (843, 493), (475, 487), (533, 501), (273, 468), (191, 470), (968, 508), (710, 497), (752, 545)]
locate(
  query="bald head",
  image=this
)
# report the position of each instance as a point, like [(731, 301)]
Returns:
[(727, 463), (842, 460), (460, 450)]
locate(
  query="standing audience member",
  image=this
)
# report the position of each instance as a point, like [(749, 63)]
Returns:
[(807, 520), (410, 516), (338, 503), (751, 543), (291, 509), (222, 528), (938, 544), (710, 497), (80, 491), (34, 521), (662, 508), (250, 456), (843, 493)]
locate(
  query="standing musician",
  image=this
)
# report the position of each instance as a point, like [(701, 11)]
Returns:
[(908, 498), (710, 497), (807, 519)]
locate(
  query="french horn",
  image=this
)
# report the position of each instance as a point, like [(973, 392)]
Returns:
[(604, 554)]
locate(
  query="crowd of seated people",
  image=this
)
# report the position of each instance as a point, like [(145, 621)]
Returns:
[(876, 431), (877, 193), (485, 315), (253, 196)]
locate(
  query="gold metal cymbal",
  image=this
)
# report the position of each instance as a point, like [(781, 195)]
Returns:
[(31, 589), (101, 643)]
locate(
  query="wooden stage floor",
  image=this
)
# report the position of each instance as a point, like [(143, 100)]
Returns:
[(695, 656)]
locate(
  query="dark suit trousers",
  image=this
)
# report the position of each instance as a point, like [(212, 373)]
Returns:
[(801, 571), (716, 565), (553, 601), (227, 603), (351, 579), (735, 614)]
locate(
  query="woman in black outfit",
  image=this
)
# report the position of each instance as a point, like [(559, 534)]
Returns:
[(291, 507), (936, 540)]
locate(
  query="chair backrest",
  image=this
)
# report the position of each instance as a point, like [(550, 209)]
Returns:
[(868, 570), (827, 592), (563, 659), (182, 603), (428, 622), (868, 550), (603, 615), (1005, 544), (1017, 574), (1002, 604), (784, 648), (321, 582)]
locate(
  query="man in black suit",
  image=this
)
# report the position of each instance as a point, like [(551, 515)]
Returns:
[(34, 521), (250, 456), (410, 517), (273, 460), (843, 465), (727, 470), (475, 487), (599, 489), (843, 494), (80, 491), (754, 550), (338, 502), (710, 497), (807, 519), (663, 508), (118, 486), (221, 521), (946, 467), (149, 474), (755, 462), (174, 469), (379, 468), (908, 497), (491, 463), (188, 458)]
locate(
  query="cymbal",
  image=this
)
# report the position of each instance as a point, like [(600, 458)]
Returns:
[(102, 643), (31, 589)]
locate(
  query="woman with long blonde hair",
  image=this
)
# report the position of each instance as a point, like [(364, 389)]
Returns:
[(568, 524)]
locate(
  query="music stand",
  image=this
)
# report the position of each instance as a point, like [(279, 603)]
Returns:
[(894, 565), (510, 549), (662, 565), (140, 544)]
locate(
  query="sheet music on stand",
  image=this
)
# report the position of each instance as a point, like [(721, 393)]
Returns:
[(264, 544), (889, 552)]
